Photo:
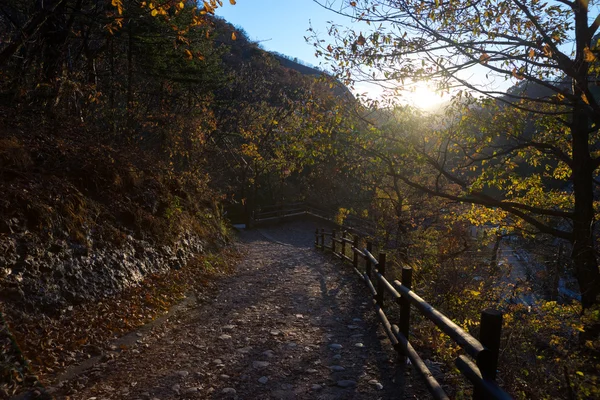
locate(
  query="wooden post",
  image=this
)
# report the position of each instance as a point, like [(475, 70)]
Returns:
[(322, 239), (490, 330), (380, 287), (405, 303), (370, 250), (333, 241), (355, 245), (317, 238), (343, 244)]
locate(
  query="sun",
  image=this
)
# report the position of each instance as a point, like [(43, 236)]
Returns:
[(421, 95)]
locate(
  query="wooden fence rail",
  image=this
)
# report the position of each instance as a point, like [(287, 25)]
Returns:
[(481, 372), (281, 211)]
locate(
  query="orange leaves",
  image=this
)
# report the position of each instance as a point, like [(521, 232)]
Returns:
[(484, 58), (517, 74), (119, 5), (588, 56), (232, 2), (361, 41), (189, 54), (353, 3), (233, 36)]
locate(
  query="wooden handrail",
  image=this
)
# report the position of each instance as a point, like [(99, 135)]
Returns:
[(481, 373)]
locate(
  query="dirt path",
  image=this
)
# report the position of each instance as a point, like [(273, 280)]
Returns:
[(290, 324)]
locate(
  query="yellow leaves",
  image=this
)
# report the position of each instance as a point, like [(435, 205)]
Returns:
[(154, 12), (588, 56), (189, 54), (232, 2), (531, 53), (181, 5), (233, 37), (119, 5), (585, 99), (209, 8)]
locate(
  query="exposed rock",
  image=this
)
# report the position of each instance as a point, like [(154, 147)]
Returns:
[(346, 383), (260, 364)]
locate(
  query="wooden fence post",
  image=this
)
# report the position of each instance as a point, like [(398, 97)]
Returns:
[(490, 330), (380, 287), (355, 245), (317, 238), (405, 304), (343, 243), (323, 239), (333, 241), (370, 250)]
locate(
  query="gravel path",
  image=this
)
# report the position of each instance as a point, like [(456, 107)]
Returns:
[(291, 323)]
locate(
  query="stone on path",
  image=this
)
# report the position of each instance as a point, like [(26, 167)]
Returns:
[(228, 390), (346, 383), (335, 346), (225, 337), (337, 368), (260, 364), (263, 379)]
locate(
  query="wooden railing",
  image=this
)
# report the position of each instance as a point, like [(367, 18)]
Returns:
[(480, 368), (282, 211)]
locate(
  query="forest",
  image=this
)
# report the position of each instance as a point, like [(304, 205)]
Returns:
[(133, 131)]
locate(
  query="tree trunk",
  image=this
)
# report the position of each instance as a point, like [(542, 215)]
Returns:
[(584, 257)]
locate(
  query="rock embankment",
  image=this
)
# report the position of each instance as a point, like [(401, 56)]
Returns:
[(48, 279)]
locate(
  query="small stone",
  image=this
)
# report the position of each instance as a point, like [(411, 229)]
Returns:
[(356, 320), (291, 345), (337, 357), (312, 371), (299, 316), (182, 374), (225, 337), (176, 388), (224, 376), (353, 326), (335, 346), (287, 386), (359, 345), (275, 332), (228, 390), (346, 383), (245, 350), (269, 353), (316, 387), (218, 361), (260, 364), (191, 390), (263, 379), (228, 327), (337, 368)]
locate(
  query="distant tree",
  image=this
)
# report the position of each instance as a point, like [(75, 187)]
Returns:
[(528, 41)]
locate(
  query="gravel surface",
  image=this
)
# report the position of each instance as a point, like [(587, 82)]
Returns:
[(291, 323)]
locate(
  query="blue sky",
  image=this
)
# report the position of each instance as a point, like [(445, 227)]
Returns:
[(280, 25)]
